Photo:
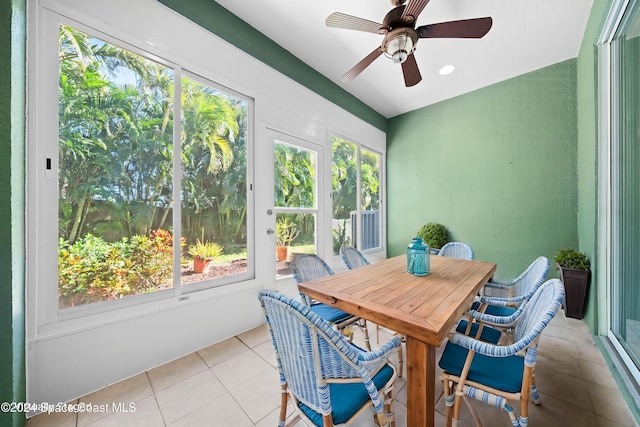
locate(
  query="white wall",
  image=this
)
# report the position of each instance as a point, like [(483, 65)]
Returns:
[(67, 358)]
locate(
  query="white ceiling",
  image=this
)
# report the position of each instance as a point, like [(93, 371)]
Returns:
[(526, 35)]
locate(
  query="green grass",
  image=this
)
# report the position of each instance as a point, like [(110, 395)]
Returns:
[(227, 258), (303, 249)]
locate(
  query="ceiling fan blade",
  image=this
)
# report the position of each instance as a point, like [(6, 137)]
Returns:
[(360, 66), (350, 22), (411, 72), (413, 8), (467, 29)]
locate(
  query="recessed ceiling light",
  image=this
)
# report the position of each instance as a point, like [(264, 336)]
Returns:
[(447, 69)]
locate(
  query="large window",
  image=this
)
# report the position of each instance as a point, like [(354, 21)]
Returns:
[(125, 162), (356, 190)]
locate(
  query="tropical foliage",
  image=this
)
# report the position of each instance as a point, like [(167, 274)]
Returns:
[(116, 147), (295, 187), (345, 177), (93, 270)]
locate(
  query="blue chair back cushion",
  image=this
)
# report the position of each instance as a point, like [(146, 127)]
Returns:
[(488, 333), (348, 398), (502, 373), (495, 310), (328, 313)]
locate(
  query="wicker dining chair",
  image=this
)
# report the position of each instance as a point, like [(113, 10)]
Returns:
[(498, 374), (456, 250), (502, 312), (310, 266), (329, 380), (352, 257), (498, 327), (516, 288)]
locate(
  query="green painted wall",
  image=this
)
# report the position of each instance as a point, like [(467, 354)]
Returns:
[(496, 166), (215, 18), (12, 125)]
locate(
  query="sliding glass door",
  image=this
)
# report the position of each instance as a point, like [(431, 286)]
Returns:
[(625, 186)]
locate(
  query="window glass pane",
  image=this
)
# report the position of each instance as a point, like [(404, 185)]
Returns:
[(214, 183), (370, 201), (295, 176), (355, 171), (345, 193), (295, 234), (115, 172)]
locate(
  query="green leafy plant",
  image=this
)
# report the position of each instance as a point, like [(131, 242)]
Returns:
[(93, 270), (434, 234), (286, 231), (205, 250), (569, 258)]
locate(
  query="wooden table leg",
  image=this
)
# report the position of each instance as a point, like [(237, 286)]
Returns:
[(421, 373)]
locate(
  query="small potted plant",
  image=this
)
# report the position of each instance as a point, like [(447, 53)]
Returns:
[(435, 235), (286, 232), (203, 254), (575, 272)]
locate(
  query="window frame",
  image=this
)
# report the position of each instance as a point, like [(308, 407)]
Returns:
[(250, 154), (43, 120)]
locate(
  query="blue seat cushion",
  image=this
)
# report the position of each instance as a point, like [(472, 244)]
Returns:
[(347, 398), (328, 313), (495, 310), (488, 333), (502, 373)]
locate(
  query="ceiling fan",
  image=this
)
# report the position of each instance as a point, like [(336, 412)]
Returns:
[(401, 35)]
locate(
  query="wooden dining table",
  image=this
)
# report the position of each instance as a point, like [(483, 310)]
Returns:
[(423, 309)]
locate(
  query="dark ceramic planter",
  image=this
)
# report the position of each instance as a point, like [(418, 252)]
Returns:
[(576, 286)]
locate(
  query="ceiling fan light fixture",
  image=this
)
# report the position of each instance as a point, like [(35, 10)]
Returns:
[(399, 46), (399, 56)]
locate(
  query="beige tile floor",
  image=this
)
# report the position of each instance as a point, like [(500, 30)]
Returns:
[(234, 383)]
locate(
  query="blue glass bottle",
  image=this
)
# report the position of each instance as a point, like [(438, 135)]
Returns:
[(410, 252), (418, 258)]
